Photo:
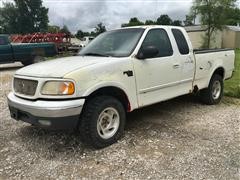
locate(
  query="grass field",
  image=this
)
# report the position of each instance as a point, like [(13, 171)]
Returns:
[(232, 86)]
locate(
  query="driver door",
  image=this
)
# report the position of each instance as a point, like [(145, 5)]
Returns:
[(157, 78), (5, 51)]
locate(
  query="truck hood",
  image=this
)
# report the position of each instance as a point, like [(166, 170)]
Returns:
[(59, 67)]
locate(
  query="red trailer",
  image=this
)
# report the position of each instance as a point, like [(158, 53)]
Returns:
[(62, 40)]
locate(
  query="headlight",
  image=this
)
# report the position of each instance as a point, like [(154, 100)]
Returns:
[(58, 88)]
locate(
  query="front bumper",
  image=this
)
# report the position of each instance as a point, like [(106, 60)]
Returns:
[(63, 114)]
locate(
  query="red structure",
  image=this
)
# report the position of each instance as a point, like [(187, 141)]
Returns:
[(62, 40)]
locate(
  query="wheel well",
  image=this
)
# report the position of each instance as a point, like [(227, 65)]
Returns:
[(219, 71), (114, 92)]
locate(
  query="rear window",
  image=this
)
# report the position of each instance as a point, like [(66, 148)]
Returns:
[(181, 41)]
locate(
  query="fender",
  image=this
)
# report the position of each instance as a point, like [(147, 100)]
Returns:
[(214, 70), (103, 84)]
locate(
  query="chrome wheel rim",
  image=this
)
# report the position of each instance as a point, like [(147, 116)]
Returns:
[(108, 123), (216, 90)]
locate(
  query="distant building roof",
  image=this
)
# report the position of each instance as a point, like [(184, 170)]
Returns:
[(195, 28), (234, 28)]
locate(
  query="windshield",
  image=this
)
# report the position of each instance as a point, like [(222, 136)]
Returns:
[(118, 43)]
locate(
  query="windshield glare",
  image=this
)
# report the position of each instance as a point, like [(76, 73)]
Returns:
[(117, 43)]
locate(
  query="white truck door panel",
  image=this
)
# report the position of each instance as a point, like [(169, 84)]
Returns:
[(157, 78), (186, 58)]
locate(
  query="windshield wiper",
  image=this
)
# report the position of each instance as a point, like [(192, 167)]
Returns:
[(95, 54)]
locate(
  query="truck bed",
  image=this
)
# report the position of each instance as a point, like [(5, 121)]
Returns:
[(208, 60)]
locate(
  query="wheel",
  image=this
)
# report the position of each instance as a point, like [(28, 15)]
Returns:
[(213, 94), (27, 62), (36, 59), (102, 121)]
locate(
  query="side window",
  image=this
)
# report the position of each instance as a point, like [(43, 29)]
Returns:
[(181, 41), (159, 38), (2, 41)]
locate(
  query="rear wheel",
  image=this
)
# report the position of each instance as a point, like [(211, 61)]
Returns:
[(102, 121), (213, 94)]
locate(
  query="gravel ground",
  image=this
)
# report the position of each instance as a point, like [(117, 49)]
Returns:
[(177, 139)]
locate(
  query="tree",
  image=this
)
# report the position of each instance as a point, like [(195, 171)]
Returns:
[(233, 16), (53, 29), (188, 21), (100, 28), (65, 30), (24, 16), (149, 22), (32, 16), (213, 14), (177, 23), (80, 34), (164, 20), (8, 18), (133, 22)]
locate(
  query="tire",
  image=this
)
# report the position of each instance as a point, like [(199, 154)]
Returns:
[(214, 93), (95, 120), (36, 59), (27, 62)]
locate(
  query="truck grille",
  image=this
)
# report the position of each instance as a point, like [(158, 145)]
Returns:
[(25, 86)]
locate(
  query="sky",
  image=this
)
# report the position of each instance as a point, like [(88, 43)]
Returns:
[(86, 14)]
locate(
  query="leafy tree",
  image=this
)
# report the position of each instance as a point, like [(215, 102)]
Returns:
[(32, 16), (8, 18), (213, 14), (164, 20), (233, 16), (65, 30), (188, 21), (100, 28), (80, 34), (133, 22), (53, 29), (24, 16), (149, 22), (177, 23)]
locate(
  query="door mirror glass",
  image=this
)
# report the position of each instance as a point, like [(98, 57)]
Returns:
[(147, 52)]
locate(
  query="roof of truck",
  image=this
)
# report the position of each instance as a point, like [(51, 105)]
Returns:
[(150, 26)]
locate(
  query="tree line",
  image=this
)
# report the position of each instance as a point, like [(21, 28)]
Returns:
[(27, 16)]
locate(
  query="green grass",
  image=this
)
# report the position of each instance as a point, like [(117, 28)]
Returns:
[(232, 86)]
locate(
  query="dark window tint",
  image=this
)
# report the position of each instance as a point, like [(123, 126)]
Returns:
[(181, 41), (2, 41), (159, 38)]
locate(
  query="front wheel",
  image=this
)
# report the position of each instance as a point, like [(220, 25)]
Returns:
[(213, 94), (102, 121)]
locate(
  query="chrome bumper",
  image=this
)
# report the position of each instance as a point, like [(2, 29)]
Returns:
[(44, 108)]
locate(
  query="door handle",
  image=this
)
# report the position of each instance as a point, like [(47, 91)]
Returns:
[(175, 66)]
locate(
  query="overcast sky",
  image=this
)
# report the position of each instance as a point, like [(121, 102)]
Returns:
[(85, 14)]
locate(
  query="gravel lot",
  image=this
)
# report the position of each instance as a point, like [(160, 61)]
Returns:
[(177, 139)]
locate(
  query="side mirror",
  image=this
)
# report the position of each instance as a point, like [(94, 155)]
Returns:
[(147, 52)]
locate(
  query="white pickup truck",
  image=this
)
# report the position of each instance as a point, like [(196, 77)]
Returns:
[(118, 72)]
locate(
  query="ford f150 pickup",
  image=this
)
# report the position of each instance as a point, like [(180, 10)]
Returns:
[(118, 72), (26, 53)]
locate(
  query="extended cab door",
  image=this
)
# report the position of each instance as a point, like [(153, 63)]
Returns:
[(186, 58), (158, 78), (5, 50)]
